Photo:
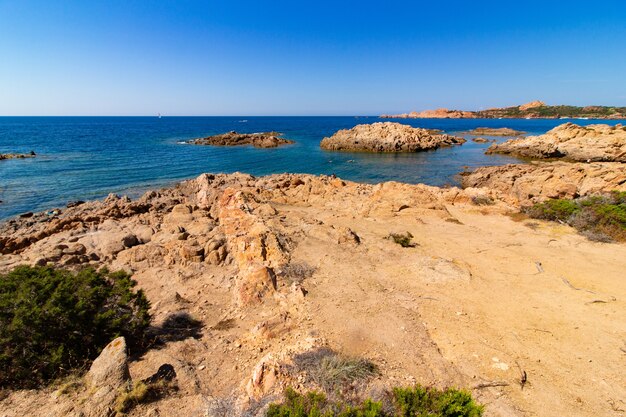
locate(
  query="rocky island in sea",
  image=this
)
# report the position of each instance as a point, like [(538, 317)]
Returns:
[(232, 138), (388, 137), (532, 110)]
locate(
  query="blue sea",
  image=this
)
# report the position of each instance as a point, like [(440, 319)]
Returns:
[(80, 158)]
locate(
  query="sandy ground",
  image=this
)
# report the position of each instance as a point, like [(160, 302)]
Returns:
[(483, 299)]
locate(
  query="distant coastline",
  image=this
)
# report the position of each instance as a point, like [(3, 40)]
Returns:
[(532, 110)]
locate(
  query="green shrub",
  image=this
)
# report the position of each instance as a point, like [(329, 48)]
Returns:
[(420, 401), (314, 404), (483, 200), (407, 402), (403, 239), (53, 321), (600, 217), (556, 210)]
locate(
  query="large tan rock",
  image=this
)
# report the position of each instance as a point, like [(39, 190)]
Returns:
[(107, 376), (526, 184), (387, 137), (593, 143)]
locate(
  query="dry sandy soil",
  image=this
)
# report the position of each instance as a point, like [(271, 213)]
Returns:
[(483, 298)]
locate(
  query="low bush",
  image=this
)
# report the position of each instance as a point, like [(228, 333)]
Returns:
[(403, 239), (53, 321), (483, 200), (143, 392), (420, 401), (600, 218), (298, 271), (332, 371), (406, 402)]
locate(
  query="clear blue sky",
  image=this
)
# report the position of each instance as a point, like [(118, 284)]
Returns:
[(232, 57)]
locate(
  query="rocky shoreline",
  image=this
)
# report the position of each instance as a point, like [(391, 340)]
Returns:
[(388, 137), (258, 140), (276, 272), (593, 143)]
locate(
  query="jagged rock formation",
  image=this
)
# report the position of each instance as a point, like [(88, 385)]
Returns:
[(571, 142), (258, 140), (532, 105), (387, 137), (527, 184), (491, 131)]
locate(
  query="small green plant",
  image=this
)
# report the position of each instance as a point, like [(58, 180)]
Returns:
[(483, 200), (298, 271), (314, 404), (555, 210), (403, 239), (53, 321), (600, 218), (143, 392), (405, 402)]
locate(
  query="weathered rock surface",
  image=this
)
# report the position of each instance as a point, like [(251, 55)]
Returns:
[(258, 140), (107, 378), (593, 143), (482, 140), (527, 184), (491, 131), (387, 137)]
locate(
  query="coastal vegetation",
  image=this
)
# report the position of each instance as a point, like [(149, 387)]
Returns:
[(599, 217), (404, 402), (54, 321), (403, 239)]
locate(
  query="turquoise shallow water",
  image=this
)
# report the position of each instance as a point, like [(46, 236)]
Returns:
[(89, 157)]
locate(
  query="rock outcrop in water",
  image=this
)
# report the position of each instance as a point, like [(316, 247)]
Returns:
[(571, 142), (387, 137), (4, 156), (258, 140), (491, 131)]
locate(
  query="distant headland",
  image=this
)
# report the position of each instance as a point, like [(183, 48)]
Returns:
[(532, 110)]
